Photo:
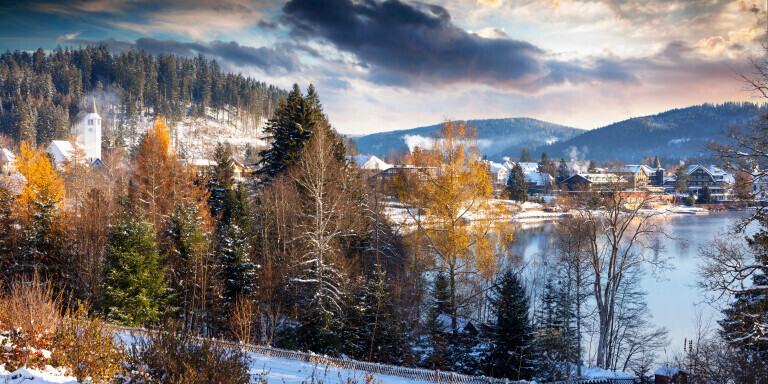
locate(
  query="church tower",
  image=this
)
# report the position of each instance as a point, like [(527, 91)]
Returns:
[(88, 134)]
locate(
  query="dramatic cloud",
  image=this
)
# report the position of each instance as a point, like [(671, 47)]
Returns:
[(407, 44)]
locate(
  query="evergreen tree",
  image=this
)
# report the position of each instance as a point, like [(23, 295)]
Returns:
[(744, 322), (512, 352), (238, 273), (592, 167), (562, 171), (191, 268), (525, 156), (437, 325), (378, 331), (546, 166), (289, 130), (705, 196), (517, 189), (556, 339), (134, 285)]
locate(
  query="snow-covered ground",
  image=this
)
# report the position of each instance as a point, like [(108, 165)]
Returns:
[(279, 371), (49, 375)]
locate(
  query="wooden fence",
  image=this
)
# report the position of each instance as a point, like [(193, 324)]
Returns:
[(420, 374)]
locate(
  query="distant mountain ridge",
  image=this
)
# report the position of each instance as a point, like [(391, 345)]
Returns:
[(677, 133), (496, 137)]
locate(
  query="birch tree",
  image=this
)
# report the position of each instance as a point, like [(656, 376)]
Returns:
[(620, 237), (457, 222)]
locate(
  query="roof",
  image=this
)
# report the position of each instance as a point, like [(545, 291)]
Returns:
[(496, 167), (667, 371), (61, 150), (713, 171), (92, 116), (369, 162), (198, 162), (599, 178), (6, 156), (539, 178)]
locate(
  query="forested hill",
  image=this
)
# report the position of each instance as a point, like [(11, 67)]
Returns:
[(496, 137), (41, 94), (677, 133)]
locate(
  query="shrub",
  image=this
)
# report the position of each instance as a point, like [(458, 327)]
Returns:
[(172, 356), (29, 315), (87, 347)]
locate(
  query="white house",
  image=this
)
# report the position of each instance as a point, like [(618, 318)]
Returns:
[(7, 161), (62, 150), (499, 172), (372, 163)]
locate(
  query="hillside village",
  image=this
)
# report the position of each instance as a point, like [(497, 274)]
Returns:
[(689, 185), (194, 215)]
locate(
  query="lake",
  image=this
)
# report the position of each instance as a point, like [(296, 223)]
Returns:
[(673, 300)]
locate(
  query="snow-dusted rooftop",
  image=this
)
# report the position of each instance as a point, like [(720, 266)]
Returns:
[(369, 162)]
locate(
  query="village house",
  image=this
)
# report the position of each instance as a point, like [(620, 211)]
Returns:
[(667, 375), (369, 163), (640, 176), (539, 182), (386, 178), (7, 161), (595, 182), (718, 181)]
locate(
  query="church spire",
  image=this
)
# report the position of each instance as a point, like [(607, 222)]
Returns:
[(93, 110)]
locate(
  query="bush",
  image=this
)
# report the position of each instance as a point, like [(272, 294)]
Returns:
[(29, 315), (87, 347), (172, 356)]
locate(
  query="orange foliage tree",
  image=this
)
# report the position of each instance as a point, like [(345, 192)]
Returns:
[(160, 181), (458, 224), (40, 214)]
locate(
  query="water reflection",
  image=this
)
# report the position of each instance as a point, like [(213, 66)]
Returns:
[(672, 299)]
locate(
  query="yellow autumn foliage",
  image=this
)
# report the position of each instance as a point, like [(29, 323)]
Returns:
[(42, 182), (459, 224)]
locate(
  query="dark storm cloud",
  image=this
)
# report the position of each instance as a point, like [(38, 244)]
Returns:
[(274, 60), (410, 43)]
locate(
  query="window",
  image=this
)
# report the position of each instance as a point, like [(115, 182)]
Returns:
[(90, 121)]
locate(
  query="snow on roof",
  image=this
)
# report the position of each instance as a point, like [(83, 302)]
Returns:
[(62, 150), (198, 162), (539, 178), (668, 371), (598, 373), (530, 166), (92, 116), (601, 177), (369, 162), (6, 156), (496, 167)]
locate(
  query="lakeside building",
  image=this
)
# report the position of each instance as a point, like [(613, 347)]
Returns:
[(718, 181)]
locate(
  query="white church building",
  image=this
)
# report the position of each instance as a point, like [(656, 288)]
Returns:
[(87, 134)]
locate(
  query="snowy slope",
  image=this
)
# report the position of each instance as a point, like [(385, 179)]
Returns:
[(279, 371)]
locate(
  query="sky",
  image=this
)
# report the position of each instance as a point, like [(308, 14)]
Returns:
[(396, 64)]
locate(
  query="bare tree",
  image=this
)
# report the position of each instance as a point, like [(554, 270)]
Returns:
[(620, 236)]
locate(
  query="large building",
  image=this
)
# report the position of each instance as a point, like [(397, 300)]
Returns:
[(87, 134), (718, 181)]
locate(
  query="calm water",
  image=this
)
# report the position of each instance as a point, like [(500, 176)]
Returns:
[(672, 299)]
